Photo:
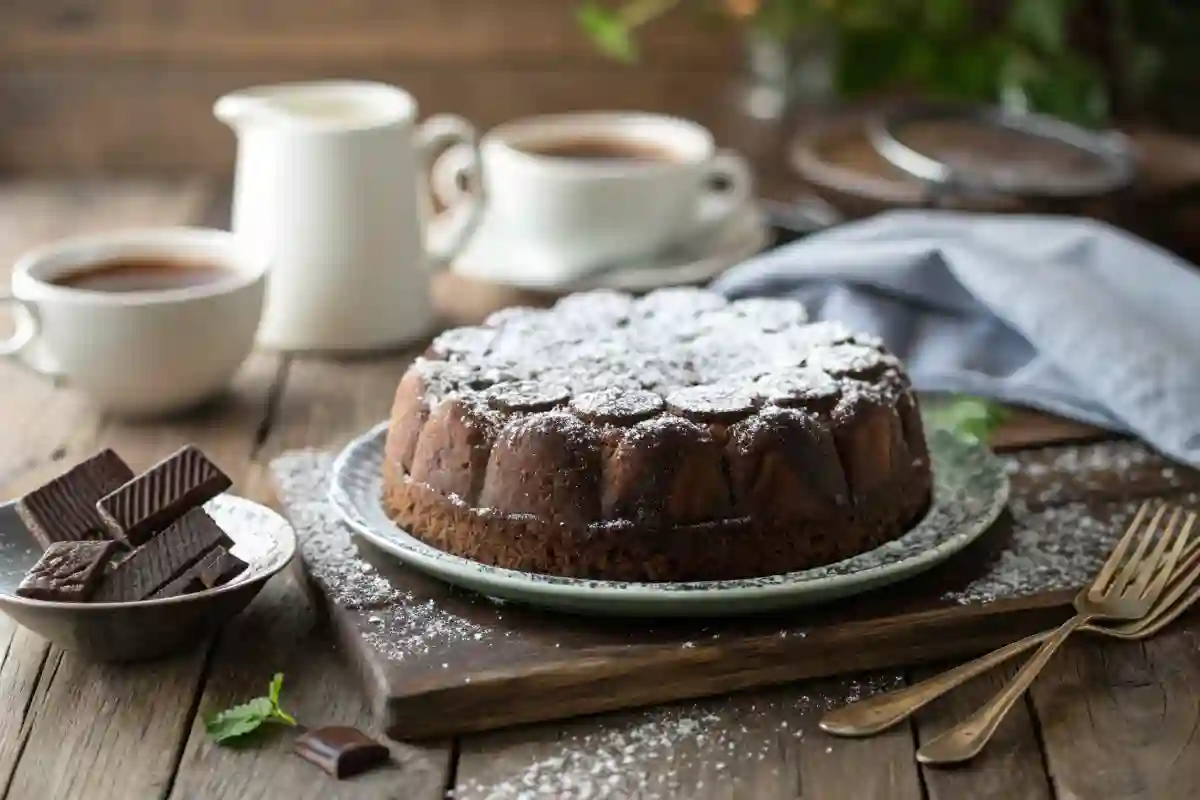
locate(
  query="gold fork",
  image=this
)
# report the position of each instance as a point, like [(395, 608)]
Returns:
[(1125, 589), (876, 714)]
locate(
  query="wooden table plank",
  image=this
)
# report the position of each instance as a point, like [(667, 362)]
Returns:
[(281, 633), (318, 403), (1010, 768), (40, 423), (764, 745), (22, 656), (1119, 720), (145, 709)]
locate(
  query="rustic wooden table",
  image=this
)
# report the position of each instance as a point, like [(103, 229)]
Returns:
[(1105, 721)]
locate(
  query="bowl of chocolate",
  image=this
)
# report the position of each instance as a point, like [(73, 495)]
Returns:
[(118, 566)]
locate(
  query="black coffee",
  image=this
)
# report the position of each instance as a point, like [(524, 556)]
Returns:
[(601, 149), (142, 275)]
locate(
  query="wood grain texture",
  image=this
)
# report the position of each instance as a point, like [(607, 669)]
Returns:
[(22, 656), (1119, 720), (763, 745), (63, 753), (348, 32), (144, 709), (79, 120), (105, 731), (324, 403), (1011, 765), (281, 633), (454, 684)]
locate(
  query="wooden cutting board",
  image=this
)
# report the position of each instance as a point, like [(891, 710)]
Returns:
[(437, 661)]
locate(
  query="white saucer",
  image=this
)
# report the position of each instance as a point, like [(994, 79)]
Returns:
[(489, 257), (970, 491)]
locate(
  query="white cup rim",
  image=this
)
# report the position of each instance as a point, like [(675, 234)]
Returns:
[(34, 271), (691, 140)]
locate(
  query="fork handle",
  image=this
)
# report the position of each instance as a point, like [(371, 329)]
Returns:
[(875, 714), (965, 740)]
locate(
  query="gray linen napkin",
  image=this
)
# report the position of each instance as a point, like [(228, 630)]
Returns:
[(1068, 315)]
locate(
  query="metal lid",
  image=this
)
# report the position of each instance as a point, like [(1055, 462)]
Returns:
[(1110, 164)]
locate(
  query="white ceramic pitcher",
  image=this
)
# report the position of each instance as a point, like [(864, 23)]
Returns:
[(331, 183)]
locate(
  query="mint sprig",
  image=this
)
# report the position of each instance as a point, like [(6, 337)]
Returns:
[(970, 418), (237, 722)]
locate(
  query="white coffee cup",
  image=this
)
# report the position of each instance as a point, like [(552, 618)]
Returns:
[(138, 352), (666, 180)]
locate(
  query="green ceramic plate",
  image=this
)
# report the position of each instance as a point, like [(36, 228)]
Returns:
[(970, 491)]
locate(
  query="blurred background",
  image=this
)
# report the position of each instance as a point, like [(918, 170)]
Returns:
[(127, 85), (119, 87)]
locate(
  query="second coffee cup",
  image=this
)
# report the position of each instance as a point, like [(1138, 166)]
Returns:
[(580, 192)]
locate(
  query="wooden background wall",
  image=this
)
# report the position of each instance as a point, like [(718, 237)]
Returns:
[(121, 85)]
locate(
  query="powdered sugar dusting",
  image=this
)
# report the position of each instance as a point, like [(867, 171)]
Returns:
[(712, 748), (399, 625)]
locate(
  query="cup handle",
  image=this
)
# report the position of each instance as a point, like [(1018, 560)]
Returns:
[(449, 149), (28, 325), (719, 206)]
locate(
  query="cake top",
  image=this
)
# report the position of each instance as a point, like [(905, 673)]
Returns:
[(615, 358)]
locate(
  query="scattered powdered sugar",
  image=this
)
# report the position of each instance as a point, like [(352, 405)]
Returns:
[(668, 752), (399, 624), (1060, 536)]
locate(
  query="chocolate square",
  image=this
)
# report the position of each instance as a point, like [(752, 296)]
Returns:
[(162, 494), (67, 572), (214, 569), (64, 510), (341, 751), (163, 559)]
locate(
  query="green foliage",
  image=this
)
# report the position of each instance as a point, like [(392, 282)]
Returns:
[(608, 31), (968, 418), (939, 47), (234, 724)]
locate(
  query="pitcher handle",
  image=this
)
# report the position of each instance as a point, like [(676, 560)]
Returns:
[(28, 325), (449, 146)]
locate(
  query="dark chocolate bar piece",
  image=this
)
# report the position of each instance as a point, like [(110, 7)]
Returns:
[(214, 569), (163, 559), (220, 568), (64, 510), (67, 572), (162, 494), (341, 751)]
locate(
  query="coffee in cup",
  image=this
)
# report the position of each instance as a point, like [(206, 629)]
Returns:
[(574, 193), (142, 275), (143, 322)]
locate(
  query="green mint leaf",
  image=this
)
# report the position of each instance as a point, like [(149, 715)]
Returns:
[(234, 723), (969, 418), (239, 720), (608, 32)]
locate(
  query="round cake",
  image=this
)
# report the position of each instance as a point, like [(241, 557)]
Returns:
[(672, 437)]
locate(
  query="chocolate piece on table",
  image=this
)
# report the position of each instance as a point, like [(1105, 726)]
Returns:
[(64, 510), (162, 494), (341, 751), (67, 571), (214, 569), (163, 559)]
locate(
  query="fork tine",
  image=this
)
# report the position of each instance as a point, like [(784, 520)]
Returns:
[(1118, 553), (1102, 585), (1169, 566), (1150, 565)]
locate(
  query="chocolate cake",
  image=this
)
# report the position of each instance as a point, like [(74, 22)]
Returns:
[(672, 437)]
